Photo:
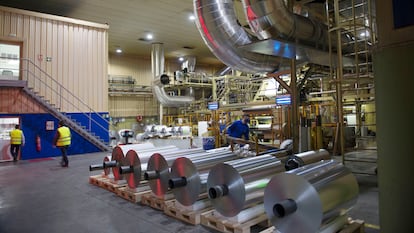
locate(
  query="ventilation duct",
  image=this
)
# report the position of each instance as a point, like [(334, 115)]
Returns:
[(270, 19), (279, 32), (157, 67), (277, 27), (189, 64), (220, 30)]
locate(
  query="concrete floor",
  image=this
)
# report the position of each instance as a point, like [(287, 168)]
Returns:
[(38, 196)]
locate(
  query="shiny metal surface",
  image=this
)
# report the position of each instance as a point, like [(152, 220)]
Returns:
[(193, 171), (131, 169), (157, 172), (95, 167), (114, 163), (321, 192), (272, 19), (107, 171), (157, 67), (235, 184), (304, 158), (219, 27), (123, 149)]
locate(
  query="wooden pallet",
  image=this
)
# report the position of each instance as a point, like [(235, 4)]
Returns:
[(354, 226), (217, 222), (173, 209), (96, 179), (155, 202), (106, 183), (133, 196)]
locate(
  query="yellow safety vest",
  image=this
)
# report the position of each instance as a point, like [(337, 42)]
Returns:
[(64, 138), (16, 137)]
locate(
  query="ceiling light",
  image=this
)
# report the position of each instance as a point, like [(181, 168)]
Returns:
[(191, 17), (118, 50), (149, 36), (181, 59)]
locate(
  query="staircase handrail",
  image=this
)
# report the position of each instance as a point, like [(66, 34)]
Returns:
[(61, 96)]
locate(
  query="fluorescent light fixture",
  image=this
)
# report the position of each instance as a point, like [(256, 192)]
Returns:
[(118, 50)]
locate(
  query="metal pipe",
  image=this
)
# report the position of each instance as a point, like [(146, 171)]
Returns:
[(271, 19), (220, 29), (157, 65), (320, 191)]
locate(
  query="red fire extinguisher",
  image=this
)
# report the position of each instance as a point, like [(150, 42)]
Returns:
[(38, 143)]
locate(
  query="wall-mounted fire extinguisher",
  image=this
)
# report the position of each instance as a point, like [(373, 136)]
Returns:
[(38, 143)]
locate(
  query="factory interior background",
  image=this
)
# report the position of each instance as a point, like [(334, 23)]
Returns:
[(320, 80)]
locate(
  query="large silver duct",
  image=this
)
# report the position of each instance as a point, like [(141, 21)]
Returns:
[(270, 19), (281, 34), (220, 30), (157, 66)]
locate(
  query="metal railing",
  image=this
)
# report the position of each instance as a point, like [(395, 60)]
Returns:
[(59, 97)]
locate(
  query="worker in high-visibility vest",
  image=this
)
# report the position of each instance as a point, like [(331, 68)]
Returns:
[(62, 140), (17, 140)]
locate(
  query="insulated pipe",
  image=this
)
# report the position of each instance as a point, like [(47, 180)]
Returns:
[(308, 157), (158, 173), (270, 19), (189, 176), (304, 199), (218, 25), (157, 67), (235, 184)]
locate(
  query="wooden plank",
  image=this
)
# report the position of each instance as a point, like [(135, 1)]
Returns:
[(212, 220), (106, 183), (133, 196), (189, 216), (155, 202), (354, 226), (96, 179)]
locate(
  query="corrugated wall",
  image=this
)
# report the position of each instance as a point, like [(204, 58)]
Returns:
[(78, 52)]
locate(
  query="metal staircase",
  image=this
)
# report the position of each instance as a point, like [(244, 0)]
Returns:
[(52, 96)]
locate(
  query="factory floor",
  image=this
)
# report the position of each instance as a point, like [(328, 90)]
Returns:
[(38, 196)]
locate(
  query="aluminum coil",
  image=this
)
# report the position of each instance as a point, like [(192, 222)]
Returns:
[(235, 184), (158, 174), (303, 199), (131, 169), (308, 157), (189, 176)]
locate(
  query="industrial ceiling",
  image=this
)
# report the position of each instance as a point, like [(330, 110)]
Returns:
[(130, 20)]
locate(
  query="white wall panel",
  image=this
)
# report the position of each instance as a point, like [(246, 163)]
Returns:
[(78, 50)]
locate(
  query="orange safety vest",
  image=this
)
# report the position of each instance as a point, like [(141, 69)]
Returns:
[(64, 136), (16, 137)]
